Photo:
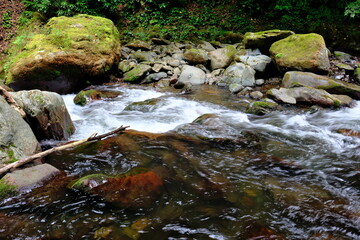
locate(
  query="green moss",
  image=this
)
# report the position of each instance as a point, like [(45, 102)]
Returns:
[(80, 33), (83, 182), (6, 190), (82, 97), (136, 73), (11, 156)]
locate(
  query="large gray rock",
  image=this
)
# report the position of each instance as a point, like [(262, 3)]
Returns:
[(305, 95), (69, 52), (16, 137), (255, 60), (46, 114), (222, 57), (30, 177), (303, 52), (192, 75), (295, 78), (144, 56), (263, 40), (239, 73), (196, 56)]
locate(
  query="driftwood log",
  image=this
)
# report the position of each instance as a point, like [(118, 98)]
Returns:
[(11, 101), (93, 137)]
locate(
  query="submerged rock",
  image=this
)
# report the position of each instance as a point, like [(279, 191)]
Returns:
[(304, 52), (133, 190), (17, 140), (263, 40), (331, 85), (72, 51), (46, 114)]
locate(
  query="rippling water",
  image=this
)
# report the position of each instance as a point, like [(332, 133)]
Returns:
[(230, 175)]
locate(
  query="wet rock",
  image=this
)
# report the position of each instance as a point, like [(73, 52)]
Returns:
[(157, 67), (46, 114), (136, 73), (135, 190), (259, 82), (261, 108), (70, 52), (196, 56), (215, 76), (192, 75), (25, 179), (344, 100), (254, 231), (245, 92), (349, 132), (263, 40), (154, 77), (331, 85), (303, 52), (235, 87), (126, 65), (305, 95), (86, 96), (17, 140), (174, 62), (222, 57), (144, 106), (346, 67), (138, 44), (239, 73)]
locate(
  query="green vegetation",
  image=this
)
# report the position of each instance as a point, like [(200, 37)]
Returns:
[(6, 20), (6, 189), (201, 19)]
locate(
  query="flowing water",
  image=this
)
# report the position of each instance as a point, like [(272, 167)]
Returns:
[(227, 174)]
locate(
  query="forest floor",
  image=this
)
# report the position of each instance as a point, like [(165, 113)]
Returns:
[(10, 12)]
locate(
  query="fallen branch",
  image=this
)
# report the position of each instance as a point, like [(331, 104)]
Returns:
[(31, 158), (11, 101)]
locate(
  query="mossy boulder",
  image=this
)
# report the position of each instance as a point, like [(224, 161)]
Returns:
[(261, 107), (17, 140), (295, 78), (303, 52), (196, 56), (137, 73), (46, 114), (86, 96), (357, 74), (222, 57), (263, 40), (69, 52)]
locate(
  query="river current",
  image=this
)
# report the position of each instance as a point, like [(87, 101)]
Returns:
[(285, 175)]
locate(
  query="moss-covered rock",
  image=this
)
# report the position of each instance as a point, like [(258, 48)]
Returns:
[(136, 73), (46, 114), (261, 107), (303, 52), (196, 56), (295, 78), (86, 96), (69, 52), (263, 40), (138, 44)]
